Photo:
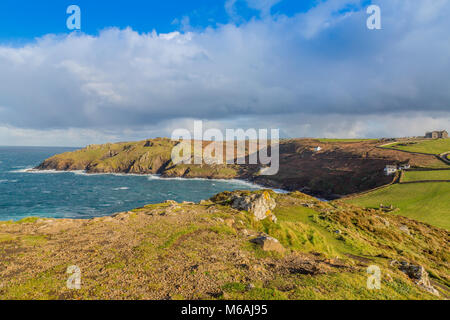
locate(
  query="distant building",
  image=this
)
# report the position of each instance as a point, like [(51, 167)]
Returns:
[(317, 149), (406, 166), (390, 169), (437, 135)]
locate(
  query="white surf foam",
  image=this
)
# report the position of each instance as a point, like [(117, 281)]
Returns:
[(151, 177), (32, 170)]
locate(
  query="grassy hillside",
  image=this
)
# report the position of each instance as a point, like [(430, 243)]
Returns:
[(436, 146), (426, 202), (341, 166), (142, 157), (410, 176), (330, 140), (204, 251)]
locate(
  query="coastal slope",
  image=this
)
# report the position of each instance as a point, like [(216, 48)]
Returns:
[(304, 249), (324, 168)]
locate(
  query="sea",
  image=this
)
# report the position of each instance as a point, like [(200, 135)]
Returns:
[(78, 195)]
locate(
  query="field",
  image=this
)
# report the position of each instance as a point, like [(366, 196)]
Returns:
[(325, 140), (424, 146), (436, 175), (426, 202)]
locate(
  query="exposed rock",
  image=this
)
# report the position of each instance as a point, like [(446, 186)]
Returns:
[(386, 222), (268, 243), (173, 202), (261, 205), (394, 263), (405, 229), (148, 144), (418, 275), (171, 210)]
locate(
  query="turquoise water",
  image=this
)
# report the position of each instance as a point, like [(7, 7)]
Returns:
[(78, 195)]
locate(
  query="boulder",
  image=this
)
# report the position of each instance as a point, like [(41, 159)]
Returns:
[(418, 274), (260, 205), (268, 243)]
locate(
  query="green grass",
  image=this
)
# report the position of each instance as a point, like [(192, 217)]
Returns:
[(28, 220), (6, 238), (30, 240), (305, 225), (435, 164), (345, 140), (410, 176), (175, 236), (426, 202), (298, 228), (338, 286), (350, 286), (437, 146), (41, 287)]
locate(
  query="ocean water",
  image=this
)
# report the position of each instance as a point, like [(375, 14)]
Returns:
[(79, 195)]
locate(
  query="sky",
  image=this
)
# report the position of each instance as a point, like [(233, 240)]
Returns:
[(141, 69)]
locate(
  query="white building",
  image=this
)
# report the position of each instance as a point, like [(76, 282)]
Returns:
[(405, 167), (390, 169)]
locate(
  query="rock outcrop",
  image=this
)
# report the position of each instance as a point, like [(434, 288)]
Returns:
[(260, 205), (268, 243), (419, 275)]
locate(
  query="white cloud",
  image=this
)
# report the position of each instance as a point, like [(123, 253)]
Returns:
[(294, 72)]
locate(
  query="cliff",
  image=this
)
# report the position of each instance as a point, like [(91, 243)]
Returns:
[(339, 168)]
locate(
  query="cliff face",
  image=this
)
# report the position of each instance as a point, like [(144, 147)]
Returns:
[(339, 168), (145, 157)]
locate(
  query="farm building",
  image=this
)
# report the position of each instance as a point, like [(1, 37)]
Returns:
[(390, 169), (405, 166), (437, 135)]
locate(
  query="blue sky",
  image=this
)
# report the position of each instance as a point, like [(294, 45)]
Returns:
[(141, 69), (22, 20)]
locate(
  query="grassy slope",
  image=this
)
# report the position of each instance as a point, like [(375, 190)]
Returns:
[(427, 202), (142, 157), (436, 164), (437, 146), (326, 140), (202, 252), (410, 176)]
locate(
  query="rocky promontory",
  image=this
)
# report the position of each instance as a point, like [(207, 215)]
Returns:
[(324, 169)]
